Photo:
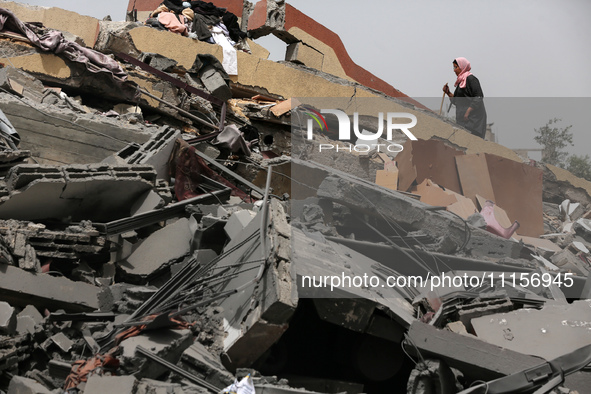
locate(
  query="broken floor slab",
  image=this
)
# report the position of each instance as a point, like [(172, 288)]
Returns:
[(21, 288), (7, 319), (410, 214), (71, 244), (22, 385), (199, 361), (475, 358), (161, 249), (23, 84), (84, 192), (315, 258), (559, 185), (166, 343), (150, 386), (110, 384), (252, 328), (554, 331), (60, 136), (155, 152)]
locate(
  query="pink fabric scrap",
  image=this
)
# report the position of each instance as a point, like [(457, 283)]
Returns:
[(172, 23)]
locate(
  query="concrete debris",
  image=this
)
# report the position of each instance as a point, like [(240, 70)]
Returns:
[(161, 249), (534, 334), (7, 318), (180, 240), (22, 385), (111, 384)]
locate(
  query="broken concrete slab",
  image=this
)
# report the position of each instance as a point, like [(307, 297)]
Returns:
[(252, 328), (155, 152), (166, 343), (22, 385), (29, 242), (477, 359), (559, 184), (21, 288), (113, 37), (54, 70), (83, 192), (161, 249), (238, 221), (541, 243), (215, 83), (150, 386), (582, 227), (7, 319), (110, 384), (202, 363), (566, 260), (407, 212), (149, 201), (554, 331), (300, 53), (62, 341), (21, 83), (315, 258), (58, 136), (33, 313)]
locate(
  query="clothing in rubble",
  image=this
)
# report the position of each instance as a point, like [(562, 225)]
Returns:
[(468, 98), (174, 23), (203, 60), (230, 59), (231, 22), (175, 6), (54, 41), (205, 8), (202, 24), (211, 16)]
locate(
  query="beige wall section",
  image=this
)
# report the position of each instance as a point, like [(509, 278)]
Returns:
[(290, 81), (174, 46), (42, 63), (84, 27), (563, 175), (330, 63), (183, 49), (258, 50)]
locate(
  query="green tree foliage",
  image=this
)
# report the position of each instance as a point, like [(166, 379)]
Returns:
[(580, 166), (553, 140)]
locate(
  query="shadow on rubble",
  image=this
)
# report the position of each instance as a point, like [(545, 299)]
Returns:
[(326, 357)]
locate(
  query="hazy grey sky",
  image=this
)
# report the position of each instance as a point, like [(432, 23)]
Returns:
[(524, 48)]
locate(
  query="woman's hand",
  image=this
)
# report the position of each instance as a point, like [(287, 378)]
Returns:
[(446, 90), (467, 114)]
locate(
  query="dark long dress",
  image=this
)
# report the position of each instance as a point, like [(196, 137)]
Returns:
[(471, 96)]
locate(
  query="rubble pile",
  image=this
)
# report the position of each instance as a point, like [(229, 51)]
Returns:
[(168, 228)]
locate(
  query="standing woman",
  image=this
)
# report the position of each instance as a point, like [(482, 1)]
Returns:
[(468, 98)]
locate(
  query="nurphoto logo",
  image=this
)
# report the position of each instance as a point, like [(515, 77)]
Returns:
[(344, 133)]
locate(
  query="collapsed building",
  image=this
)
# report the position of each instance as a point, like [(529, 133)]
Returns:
[(169, 226)]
